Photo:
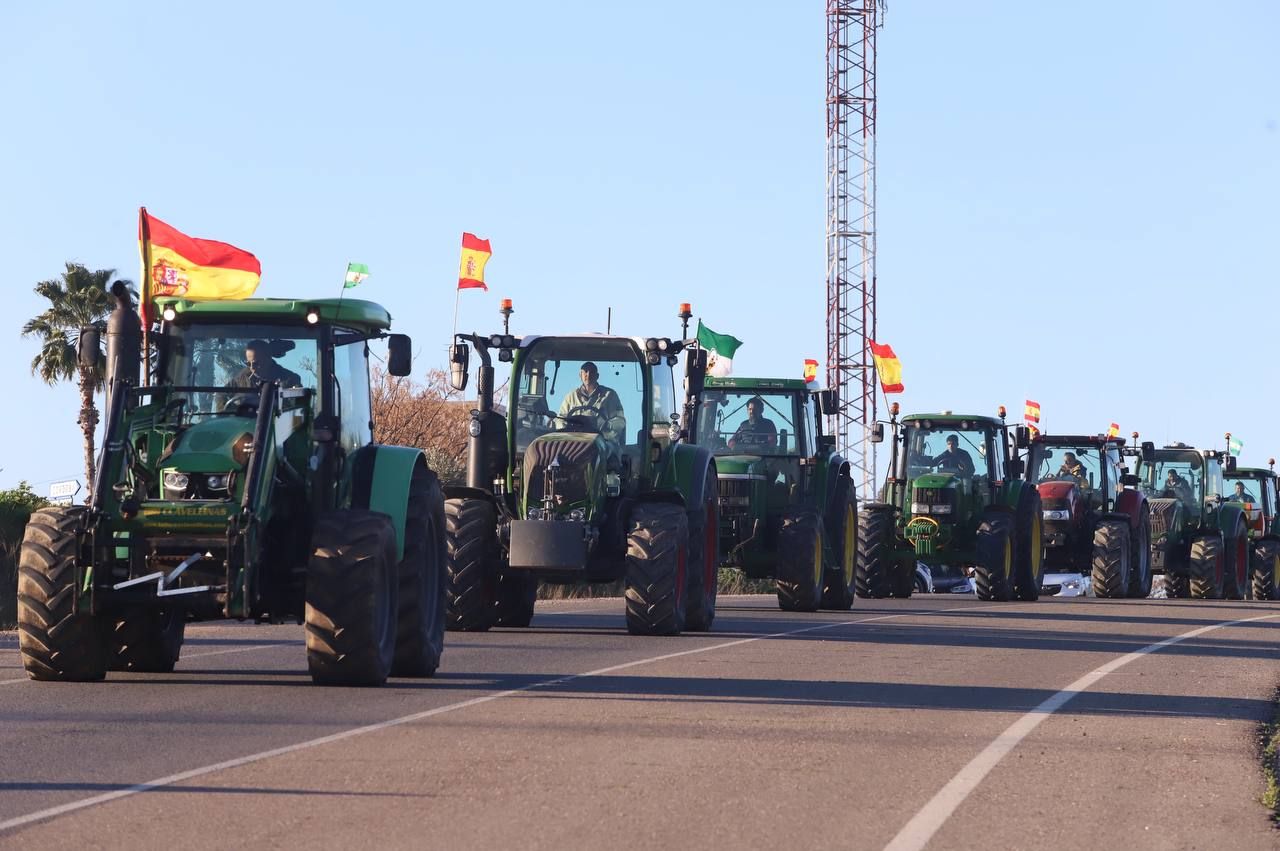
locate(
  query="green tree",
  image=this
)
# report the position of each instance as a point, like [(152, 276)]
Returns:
[(79, 299)]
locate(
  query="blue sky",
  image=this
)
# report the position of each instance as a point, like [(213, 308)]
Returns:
[(1076, 204)]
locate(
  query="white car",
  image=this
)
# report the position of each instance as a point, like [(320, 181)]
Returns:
[(1066, 585)]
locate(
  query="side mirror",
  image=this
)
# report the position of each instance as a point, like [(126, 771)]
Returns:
[(1015, 468), (399, 355), (877, 432), (1021, 436), (829, 402), (1148, 452), (1129, 480), (459, 360), (88, 346), (695, 371), (1229, 463)]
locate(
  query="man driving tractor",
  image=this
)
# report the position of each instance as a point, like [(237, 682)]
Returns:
[(595, 400)]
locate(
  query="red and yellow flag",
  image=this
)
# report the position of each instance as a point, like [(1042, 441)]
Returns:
[(810, 371), (888, 367), (174, 264), (475, 253), (1032, 412), (1114, 430), (1033, 431)]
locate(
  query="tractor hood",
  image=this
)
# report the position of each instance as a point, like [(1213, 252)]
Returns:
[(739, 464), (934, 480), (1054, 493), (206, 447), (581, 458)]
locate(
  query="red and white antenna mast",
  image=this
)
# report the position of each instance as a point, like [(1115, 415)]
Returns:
[(851, 230)]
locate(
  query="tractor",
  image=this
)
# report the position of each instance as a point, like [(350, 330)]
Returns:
[(588, 476), (1096, 521), (1199, 541), (955, 497), (241, 481), (787, 502), (1255, 489)]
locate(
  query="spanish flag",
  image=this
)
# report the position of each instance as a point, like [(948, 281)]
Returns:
[(810, 371), (1114, 430), (1032, 412), (475, 253), (888, 367), (174, 264)]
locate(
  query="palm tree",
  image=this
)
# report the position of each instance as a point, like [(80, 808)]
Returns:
[(80, 299)]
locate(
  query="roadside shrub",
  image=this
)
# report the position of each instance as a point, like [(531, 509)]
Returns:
[(16, 506)]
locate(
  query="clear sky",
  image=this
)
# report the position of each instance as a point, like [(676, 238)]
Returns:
[(1077, 202)]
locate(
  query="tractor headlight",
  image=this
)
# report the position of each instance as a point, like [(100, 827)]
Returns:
[(578, 515), (217, 482), (175, 481), (919, 508), (242, 448), (534, 513), (942, 509), (1057, 514), (473, 427)]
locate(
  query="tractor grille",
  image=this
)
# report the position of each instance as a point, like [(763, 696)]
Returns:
[(932, 496), (1163, 513), (735, 494)]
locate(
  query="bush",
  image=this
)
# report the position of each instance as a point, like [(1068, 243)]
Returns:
[(16, 506)]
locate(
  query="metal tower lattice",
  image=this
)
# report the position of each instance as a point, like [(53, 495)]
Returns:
[(851, 230)]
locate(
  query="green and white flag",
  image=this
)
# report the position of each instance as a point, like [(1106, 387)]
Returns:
[(356, 272), (720, 350), (1234, 445)]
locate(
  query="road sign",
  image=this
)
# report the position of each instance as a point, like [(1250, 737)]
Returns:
[(62, 493)]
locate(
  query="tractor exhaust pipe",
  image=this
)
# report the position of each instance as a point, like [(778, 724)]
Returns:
[(124, 341)]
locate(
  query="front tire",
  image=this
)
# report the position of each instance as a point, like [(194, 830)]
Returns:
[(704, 556), (1235, 561), (146, 640), (57, 642), (1207, 567), (420, 621), (1140, 557), (471, 564), (351, 599), (800, 567), (1266, 560), (517, 594), (875, 547), (657, 562), (993, 575), (1110, 567), (842, 527), (1028, 543)]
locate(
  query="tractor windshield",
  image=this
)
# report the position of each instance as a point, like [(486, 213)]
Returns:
[(1179, 477), (224, 365), (1081, 464), (965, 448), (746, 421), (590, 386), (1257, 491)]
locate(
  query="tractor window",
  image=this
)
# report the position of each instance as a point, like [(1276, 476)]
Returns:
[(809, 428), (664, 395), (1180, 478), (1241, 489), (747, 421), (962, 448), (351, 372), (1080, 464)]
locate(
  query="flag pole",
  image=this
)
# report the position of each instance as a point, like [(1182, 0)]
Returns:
[(144, 305), (343, 294)]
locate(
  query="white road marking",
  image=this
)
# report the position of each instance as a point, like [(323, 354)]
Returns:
[(193, 773), (186, 656), (924, 824)]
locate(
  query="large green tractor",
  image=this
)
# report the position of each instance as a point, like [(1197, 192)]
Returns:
[(787, 502), (1199, 541), (588, 476), (1254, 489), (241, 481), (954, 496)]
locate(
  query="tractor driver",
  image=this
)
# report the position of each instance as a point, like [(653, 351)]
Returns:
[(1241, 495), (595, 400), (756, 430), (953, 459), (1178, 488), (1072, 468), (261, 368)]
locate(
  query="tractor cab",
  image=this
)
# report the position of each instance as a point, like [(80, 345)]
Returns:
[(1076, 468), (1255, 489), (1190, 477)]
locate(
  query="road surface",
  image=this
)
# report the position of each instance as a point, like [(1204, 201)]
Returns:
[(935, 722)]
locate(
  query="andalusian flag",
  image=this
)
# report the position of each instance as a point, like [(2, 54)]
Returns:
[(810, 371), (174, 264), (356, 273), (475, 253), (1234, 445), (720, 350), (1031, 413), (1114, 430), (888, 367)]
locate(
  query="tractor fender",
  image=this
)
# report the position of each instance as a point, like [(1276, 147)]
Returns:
[(830, 474), (1227, 515), (380, 477), (686, 471), (1013, 493), (1133, 505)]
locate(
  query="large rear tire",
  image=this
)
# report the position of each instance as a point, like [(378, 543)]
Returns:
[(993, 574), (1266, 561), (875, 547), (1109, 564), (1140, 557), (420, 621), (57, 643), (1177, 586), (351, 599), (842, 535), (471, 564), (657, 563), (1207, 567), (1028, 546), (146, 640), (800, 566), (1235, 560), (704, 556)]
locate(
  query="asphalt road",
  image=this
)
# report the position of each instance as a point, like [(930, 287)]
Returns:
[(936, 721)]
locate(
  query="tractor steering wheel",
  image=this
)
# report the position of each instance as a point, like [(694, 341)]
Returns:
[(589, 419)]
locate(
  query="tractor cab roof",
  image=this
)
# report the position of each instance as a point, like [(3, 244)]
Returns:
[(365, 315), (764, 384), (1078, 440), (1259, 473), (954, 420)]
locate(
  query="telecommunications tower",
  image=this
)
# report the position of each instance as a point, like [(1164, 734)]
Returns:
[(851, 230)]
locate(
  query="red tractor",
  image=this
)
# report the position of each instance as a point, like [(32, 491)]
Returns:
[(1096, 522)]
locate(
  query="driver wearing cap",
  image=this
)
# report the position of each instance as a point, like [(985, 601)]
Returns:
[(595, 400), (261, 368)]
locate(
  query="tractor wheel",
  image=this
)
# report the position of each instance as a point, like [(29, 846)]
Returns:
[(800, 569), (1235, 561), (145, 640), (1110, 565), (875, 546), (1177, 586), (657, 562), (704, 557), (1028, 546), (1140, 558), (351, 599), (517, 592), (471, 564), (1266, 560), (842, 532), (993, 574), (903, 580), (1207, 567), (57, 643), (420, 620)]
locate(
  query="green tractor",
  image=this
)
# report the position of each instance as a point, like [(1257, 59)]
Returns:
[(1199, 541), (1255, 490), (954, 497), (588, 476), (787, 502), (241, 482)]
